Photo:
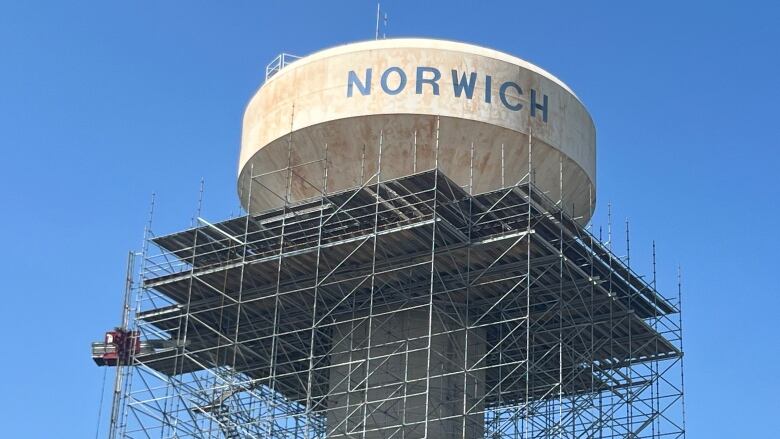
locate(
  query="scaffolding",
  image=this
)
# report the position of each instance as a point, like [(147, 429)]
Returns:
[(405, 308)]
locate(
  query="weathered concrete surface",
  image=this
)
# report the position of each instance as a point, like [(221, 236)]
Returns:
[(391, 401), (306, 106)]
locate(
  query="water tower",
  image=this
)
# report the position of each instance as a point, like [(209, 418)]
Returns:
[(413, 263)]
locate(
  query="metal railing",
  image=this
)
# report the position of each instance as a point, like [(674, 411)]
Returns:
[(278, 63)]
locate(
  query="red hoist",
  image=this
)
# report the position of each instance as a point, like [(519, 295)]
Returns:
[(119, 348)]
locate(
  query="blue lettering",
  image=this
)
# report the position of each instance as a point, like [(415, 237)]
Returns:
[(363, 87), (502, 95), (432, 81), (401, 83), (535, 106), (460, 84), (463, 84)]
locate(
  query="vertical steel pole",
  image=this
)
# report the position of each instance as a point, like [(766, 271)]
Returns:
[(120, 369)]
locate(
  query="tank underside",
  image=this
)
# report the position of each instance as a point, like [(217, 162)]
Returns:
[(473, 154)]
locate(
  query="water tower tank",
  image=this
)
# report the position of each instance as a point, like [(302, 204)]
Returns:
[(367, 295), (471, 111)]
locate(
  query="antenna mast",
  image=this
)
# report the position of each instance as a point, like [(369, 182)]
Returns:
[(376, 33), (383, 17)]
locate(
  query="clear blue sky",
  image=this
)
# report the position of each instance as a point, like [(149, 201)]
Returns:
[(103, 103)]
